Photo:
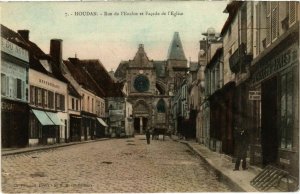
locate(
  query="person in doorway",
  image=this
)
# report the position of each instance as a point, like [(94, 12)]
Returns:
[(148, 136), (242, 143)]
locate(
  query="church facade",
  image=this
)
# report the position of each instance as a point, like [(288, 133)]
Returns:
[(150, 85)]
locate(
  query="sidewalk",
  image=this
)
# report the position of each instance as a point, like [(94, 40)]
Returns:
[(222, 164), (13, 151)]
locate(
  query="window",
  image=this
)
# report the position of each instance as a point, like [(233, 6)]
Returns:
[(32, 94), (76, 104), (161, 106), (19, 89), (62, 102), (50, 99), (3, 84), (88, 103), (45, 98), (92, 104), (39, 96), (73, 103), (57, 101), (286, 110)]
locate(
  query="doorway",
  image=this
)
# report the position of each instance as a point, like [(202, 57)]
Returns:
[(269, 132)]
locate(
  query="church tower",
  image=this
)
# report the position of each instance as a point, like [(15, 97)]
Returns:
[(176, 63)]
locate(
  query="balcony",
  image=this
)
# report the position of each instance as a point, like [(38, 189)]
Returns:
[(239, 59)]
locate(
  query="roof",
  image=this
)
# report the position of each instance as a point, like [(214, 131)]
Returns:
[(121, 70), (35, 54), (176, 50), (82, 77), (232, 9), (98, 72), (216, 56), (160, 68), (13, 37)]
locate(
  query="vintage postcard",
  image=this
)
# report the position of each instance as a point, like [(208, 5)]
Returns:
[(149, 96)]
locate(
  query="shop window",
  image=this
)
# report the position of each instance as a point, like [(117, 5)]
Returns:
[(286, 111), (35, 127), (257, 120)]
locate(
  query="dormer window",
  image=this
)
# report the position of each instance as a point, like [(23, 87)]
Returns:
[(46, 65)]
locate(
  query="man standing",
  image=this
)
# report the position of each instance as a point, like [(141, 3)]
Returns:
[(242, 142), (148, 136)]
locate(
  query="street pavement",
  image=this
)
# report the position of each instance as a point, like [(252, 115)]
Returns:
[(116, 165)]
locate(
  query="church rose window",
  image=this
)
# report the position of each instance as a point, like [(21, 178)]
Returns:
[(141, 83)]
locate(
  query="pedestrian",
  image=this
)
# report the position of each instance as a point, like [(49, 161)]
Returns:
[(242, 142), (148, 136)]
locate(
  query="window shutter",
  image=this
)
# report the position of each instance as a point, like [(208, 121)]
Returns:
[(268, 32), (274, 27), (292, 12)]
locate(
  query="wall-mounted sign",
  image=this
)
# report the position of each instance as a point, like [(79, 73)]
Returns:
[(275, 64), (254, 95), (14, 50)]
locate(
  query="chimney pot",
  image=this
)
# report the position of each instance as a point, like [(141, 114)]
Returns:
[(24, 34), (56, 50)]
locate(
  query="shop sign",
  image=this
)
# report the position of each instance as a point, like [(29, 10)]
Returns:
[(284, 161), (10, 107), (14, 50), (116, 112), (275, 64), (254, 95)]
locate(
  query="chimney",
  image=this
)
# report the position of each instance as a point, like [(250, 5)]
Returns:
[(56, 50), (24, 34)]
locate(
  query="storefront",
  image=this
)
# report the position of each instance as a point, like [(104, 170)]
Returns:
[(275, 110), (14, 122), (44, 127), (88, 125), (75, 127), (101, 128)]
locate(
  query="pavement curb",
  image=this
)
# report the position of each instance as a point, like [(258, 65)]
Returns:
[(222, 176), (16, 151)]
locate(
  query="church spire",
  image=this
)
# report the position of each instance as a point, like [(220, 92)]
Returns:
[(175, 50)]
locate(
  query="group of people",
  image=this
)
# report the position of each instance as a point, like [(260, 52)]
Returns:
[(155, 134)]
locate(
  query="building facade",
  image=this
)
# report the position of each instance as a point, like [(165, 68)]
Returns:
[(14, 89), (150, 85)]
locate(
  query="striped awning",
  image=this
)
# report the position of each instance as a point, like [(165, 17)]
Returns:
[(54, 118)]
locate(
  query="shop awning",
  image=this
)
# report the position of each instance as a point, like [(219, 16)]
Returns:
[(42, 117), (54, 118), (102, 122)]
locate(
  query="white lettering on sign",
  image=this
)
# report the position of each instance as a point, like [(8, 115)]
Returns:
[(254, 95), (48, 83), (14, 50), (285, 161)]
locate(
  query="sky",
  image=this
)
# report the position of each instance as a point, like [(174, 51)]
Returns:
[(90, 34)]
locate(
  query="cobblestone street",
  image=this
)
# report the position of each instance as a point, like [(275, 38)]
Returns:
[(117, 165)]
